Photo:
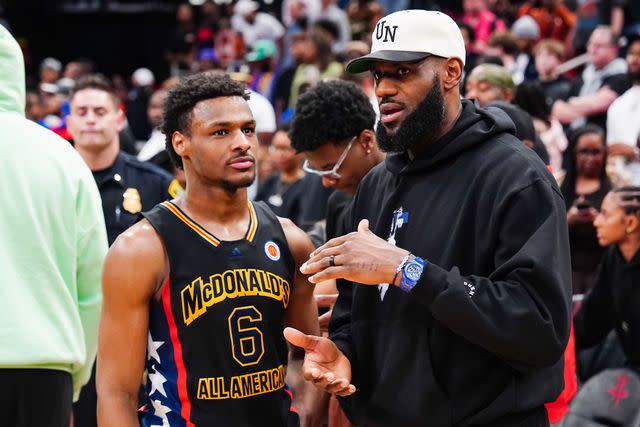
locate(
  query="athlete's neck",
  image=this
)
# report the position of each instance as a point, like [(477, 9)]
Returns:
[(222, 212)]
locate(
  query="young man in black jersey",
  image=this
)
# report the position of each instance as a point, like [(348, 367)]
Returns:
[(205, 284)]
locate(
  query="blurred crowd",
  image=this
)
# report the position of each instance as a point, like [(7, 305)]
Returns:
[(571, 69), (566, 72)]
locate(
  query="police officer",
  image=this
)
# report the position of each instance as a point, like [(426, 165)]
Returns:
[(127, 186)]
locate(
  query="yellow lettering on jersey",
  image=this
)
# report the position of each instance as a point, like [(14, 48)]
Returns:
[(241, 386), (198, 296), (212, 389)]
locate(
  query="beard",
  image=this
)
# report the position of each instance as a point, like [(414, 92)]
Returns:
[(233, 186), (635, 76), (422, 125)]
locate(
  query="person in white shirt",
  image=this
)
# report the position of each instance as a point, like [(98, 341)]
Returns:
[(254, 25), (623, 126), (333, 13), (311, 10)]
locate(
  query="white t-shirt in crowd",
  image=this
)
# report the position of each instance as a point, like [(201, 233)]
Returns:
[(263, 112), (623, 118), (153, 146), (265, 27), (339, 17)]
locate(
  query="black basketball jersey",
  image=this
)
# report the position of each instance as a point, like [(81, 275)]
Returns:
[(216, 354)]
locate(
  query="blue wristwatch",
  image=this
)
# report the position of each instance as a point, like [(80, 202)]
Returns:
[(411, 273)]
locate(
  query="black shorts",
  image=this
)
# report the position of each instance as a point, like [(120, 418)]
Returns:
[(35, 397)]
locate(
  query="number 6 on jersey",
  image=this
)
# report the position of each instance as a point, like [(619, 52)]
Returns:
[(246, 341)]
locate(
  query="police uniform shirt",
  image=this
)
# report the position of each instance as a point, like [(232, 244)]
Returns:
[(129, 187)]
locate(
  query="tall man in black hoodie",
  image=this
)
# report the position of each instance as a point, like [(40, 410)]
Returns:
[(460, 263)]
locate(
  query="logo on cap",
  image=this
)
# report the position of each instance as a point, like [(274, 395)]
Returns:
[(386, 31)]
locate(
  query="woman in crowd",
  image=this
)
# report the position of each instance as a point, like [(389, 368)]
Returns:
[(284, 190), (613, 303), (584, 186)]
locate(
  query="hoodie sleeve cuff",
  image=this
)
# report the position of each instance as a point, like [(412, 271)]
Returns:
[(345, 347), (433, 281)]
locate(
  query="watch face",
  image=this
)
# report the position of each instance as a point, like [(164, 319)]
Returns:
[(413, 271)]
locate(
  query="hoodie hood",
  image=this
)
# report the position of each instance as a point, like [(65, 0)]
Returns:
[(474, 126), (12, 88)]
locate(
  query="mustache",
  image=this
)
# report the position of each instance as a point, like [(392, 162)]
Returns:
[(242, 155), (389, 100)]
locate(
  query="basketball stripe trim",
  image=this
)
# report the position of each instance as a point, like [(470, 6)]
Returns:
[(251, 231), (185, 404), (195, 227), (253, 223)]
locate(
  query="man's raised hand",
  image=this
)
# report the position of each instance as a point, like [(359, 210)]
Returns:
[(360, 257)]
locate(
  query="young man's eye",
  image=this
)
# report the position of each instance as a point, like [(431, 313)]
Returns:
[(249, 130), (220, 132)]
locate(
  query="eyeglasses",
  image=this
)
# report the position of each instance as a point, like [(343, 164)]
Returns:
[(333, 172)]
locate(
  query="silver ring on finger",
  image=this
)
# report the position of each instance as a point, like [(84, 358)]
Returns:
[(332, 261)]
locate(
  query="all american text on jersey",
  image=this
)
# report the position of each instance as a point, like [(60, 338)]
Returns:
[(241, 386)]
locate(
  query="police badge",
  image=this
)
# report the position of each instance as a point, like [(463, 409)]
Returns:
[(131, 201)]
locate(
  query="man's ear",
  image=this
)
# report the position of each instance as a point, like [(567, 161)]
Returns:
[(180, 143), (367, 139), (121, 119), (451, 74)]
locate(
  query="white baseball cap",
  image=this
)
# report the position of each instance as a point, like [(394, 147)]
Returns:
[(412, 35), (245, 7)]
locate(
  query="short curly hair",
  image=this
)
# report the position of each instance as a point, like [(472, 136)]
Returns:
[(180, 101), (330, 112)]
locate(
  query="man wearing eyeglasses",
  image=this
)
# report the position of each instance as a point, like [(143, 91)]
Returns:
[(459, 309), (333, 126)]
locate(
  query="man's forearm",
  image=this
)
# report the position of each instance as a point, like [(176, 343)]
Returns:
[(593, 104), (582, 106), (617, 20), (622, 149), (118, 411), (563, 111)]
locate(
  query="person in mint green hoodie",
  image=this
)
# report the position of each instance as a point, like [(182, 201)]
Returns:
[(52, 246)]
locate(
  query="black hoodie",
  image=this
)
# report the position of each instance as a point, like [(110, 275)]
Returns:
[(479, 340)]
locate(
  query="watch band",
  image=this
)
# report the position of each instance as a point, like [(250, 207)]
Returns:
[(399, 268), (411, 273)]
